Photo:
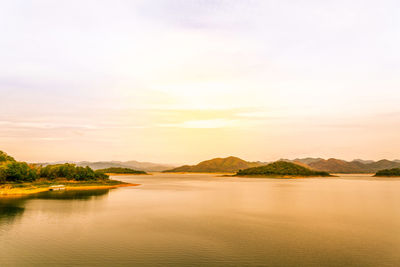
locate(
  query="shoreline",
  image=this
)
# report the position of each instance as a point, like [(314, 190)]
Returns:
[(216, 173), (32, 188), (126, 174), (281, 176)]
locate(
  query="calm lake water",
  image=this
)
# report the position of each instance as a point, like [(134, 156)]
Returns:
[(200, 219)]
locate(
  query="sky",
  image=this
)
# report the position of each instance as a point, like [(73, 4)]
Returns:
[(180, 81)]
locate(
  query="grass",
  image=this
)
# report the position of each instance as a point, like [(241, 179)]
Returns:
[(42, 185)]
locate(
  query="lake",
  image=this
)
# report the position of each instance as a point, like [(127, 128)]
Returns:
[(202, 219)]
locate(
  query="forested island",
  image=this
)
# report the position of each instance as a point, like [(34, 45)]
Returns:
[(22, 178), (117, 170), (281, 169), (395, 172)]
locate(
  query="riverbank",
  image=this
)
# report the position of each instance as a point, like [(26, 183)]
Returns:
[(126, 174), (43, 186), (280, 176)]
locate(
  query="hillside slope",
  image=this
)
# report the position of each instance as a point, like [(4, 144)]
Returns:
[(229, 165), (281, 168), (356, 166), (141, 166)]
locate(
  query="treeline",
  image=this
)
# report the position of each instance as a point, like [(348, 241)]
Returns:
[(119, 170), (395, 172), (14, 171), (70, 172), (280, 168)]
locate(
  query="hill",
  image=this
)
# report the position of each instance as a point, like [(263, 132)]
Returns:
[(132, 164), (307, 160), (227, 165), (395, 172), (281, 168), (356, 166), (121, 171), (338, 166)]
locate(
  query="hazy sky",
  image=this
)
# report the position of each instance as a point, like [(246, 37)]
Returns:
[(183, 81)]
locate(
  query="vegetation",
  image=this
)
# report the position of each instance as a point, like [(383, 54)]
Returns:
[(132, 164), (121, 171), (71, 172), (388, 173), (281, 168), (4, 157), (12, 171)]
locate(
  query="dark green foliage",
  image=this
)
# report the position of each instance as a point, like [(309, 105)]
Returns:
[(4, 157), (389, 173), (71, 172), (280, 168), (101, 175), (56, 171), (13, 171), (121, 171)]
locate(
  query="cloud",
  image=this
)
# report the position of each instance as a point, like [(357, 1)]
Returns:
[(203, 124), (45, 125), (197, 15)]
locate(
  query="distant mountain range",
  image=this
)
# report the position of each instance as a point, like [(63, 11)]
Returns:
[(234, 164), (229, 165), (132, 164), (355, 166)]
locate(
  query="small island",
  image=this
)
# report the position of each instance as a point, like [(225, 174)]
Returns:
[(388, 173), (118, 170), (21, 178), (281, 169)]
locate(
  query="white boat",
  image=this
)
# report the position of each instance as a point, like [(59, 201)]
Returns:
[(57, 187)]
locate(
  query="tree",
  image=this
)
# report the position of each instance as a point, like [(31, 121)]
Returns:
[(4, 157), (14, 171)]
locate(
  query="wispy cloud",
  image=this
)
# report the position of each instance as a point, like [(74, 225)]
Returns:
[(203, 124), (45, 125)]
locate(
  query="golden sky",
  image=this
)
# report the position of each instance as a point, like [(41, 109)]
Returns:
[(183, 81)]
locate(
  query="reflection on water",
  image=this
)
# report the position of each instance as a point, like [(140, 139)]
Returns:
[(74, 195), (12, 208), (175, 220)]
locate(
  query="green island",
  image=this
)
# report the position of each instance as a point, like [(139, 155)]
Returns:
[(395, 172), (19, 178), (118, 170), (281, 169)]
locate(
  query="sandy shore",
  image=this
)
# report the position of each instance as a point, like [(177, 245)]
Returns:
[(7, 190)]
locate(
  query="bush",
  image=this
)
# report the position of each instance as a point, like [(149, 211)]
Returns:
[(13, 171), (71, 172), (389, 173), (281, 168), (4, 157), (121, 171)]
